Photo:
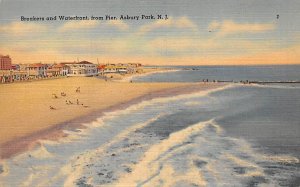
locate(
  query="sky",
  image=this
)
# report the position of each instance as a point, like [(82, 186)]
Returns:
[(197, 32)]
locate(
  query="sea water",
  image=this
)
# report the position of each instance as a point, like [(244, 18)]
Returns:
[(236, 135), (225, 73)]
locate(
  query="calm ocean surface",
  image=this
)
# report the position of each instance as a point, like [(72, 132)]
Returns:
[(226, 73), (238, 135)]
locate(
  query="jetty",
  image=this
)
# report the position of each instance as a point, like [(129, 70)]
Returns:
[(273, 82)]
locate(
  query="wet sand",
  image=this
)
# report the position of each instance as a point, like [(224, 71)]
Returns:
[(25, 114)]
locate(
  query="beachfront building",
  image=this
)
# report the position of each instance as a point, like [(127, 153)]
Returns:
[(58, 70), (37, 70), (81, 69), (100, 69), (122, 68), (115, 68), (110, 68), (8, 76), (20, 75), (5, 62), (5, 76), (15, 67), (134, 68), (22, 67)]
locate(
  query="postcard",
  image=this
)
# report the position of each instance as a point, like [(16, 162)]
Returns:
[(149, 93)]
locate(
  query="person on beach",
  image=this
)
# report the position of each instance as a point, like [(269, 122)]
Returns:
[(52, 108), (77, 102), (70, 102), (78, 90)]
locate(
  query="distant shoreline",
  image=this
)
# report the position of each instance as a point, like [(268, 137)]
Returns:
[(148, 71)]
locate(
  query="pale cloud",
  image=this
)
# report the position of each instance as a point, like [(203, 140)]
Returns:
[(118, 24), (184, 22), (283, 56), (22, 28), (229, 27), (214, 25), (75, 25), (100, 46), (89, 24), (112, 46), (189, 47), (210, 46), (179, 23), (181, 44), (41, 55)]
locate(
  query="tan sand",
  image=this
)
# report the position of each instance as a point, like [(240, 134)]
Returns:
[(25, 107), (127, 77)]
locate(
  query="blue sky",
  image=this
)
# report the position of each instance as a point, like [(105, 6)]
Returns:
[(197, 32)]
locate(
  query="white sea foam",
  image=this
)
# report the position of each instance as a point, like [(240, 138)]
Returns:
[(41, 153), (74, 169), (283, 159), (149, 167), (277, 86), (129, 78), (4, 169), (198, 155), (192, 103)]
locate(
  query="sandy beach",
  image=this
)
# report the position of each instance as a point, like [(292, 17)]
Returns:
[(25, 113)]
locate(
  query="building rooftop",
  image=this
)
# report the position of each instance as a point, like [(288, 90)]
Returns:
[(81, 62), (84, 62), (59, 65), (37, 65)]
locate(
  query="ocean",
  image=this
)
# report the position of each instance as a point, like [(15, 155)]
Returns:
[(225, 73), (236, 135)]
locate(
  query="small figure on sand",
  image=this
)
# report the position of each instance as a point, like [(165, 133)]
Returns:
[(67, 102), (54, 96), (70, 102), (77, 101), (78, 90), (85, 106), (52, 108), (63, 94)]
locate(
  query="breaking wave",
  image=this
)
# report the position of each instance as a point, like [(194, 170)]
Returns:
[(118, 149)]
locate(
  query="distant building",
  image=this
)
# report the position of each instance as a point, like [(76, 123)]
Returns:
[(115, 68), (100, 69), (15, 67), (8, 76), (81, 69), (23, 67), (135, 68), (37, 70), (5, 62), (58, 70), (110, 68)]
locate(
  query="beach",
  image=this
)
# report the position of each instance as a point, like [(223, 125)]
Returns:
[(25, 113)]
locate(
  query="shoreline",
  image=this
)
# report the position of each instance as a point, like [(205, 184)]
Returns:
[(152, 71), (55, 132)]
